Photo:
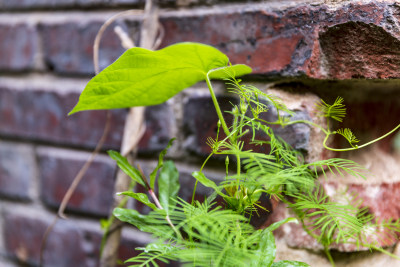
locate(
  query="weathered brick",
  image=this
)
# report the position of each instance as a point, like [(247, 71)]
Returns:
[(62, 4), (58, 167), (315, 40), (68, 47), (23, 235), (42, 115), (159, 121), (17, 170), (292, 39), (18, 46), (373, 54)]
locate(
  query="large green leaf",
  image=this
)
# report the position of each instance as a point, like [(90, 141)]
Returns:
[(141, 77), (229, 72), (133, 217), (265, 254), (168, 185)]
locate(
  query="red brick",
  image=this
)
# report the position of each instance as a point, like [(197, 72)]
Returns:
[(63, 4), (58, 167), (68, 47), (18, 46), (299, 39), (287, 40), (17, 170), (41, 115), (23, 236), (373, 54), (159, 121)]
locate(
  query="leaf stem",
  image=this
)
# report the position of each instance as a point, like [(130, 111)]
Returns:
[(221, 118), (151, 192), (157, 202), (217, 108)]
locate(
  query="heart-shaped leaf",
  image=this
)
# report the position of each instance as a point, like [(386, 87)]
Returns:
[(141, 77)]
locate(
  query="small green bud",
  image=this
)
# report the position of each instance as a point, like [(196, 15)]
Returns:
[(243, 108), (235, 111), (219, 123)]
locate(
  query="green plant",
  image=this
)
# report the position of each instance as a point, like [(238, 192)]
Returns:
[(207, 234)]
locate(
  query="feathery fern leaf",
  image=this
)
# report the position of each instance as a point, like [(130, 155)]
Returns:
[(348, 134), (328, 221), (338, 166), (336, 111)]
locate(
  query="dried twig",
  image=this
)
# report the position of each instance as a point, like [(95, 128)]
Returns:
[(126, 42), (134, 129)]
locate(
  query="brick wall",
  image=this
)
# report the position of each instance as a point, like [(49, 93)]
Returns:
[(303, 49)]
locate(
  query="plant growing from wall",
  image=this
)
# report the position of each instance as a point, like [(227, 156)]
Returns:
[(210, 234)]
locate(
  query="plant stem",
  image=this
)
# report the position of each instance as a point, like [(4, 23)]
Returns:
[(357, 147), (151, 192), (217, 108), (221, 118), (307, 122), (328, 254)]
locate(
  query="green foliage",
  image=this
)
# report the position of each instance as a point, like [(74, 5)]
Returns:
[(330, 221), (215, 237), (153, 174), (123, 163), (202, 233), (139, 197), (168, 185)]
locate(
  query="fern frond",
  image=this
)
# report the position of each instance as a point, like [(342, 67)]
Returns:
[(336, 111), (348, 134), (255, 98), (338, 166), (329, 221), (383, 233), (285, 154), (154, 253)]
